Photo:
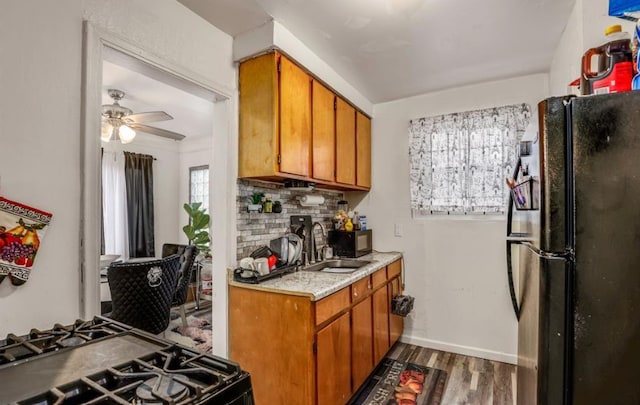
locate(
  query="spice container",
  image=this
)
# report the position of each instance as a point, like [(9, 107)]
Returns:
[(268, 205)]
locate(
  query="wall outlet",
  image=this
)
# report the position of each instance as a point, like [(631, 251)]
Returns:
[(397, 230)]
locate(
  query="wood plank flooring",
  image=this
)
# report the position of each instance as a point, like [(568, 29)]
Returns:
[(471, 380)]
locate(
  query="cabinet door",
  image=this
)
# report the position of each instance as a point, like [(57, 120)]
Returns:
[(333, 362), (363, 140), (345, 142), (295, 119), (361, 342), (257, 143), (380, 324), (396, 322), (324, 133)]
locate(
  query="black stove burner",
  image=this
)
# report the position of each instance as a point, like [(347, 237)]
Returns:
[(37, 342), (162, 388), (105, 362)]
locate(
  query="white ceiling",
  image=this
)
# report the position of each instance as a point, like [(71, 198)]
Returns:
[(192, 115), (391, 49)]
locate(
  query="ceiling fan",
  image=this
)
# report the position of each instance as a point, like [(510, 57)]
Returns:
[(119, 122)]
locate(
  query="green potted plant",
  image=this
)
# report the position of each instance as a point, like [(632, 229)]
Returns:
[(197, 230), (255, 202)]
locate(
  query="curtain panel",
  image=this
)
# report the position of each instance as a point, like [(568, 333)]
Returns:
[(138, 171), (459, 162), (114, 205)]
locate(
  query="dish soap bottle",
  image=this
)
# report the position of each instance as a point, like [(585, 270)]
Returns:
[(348, 226)]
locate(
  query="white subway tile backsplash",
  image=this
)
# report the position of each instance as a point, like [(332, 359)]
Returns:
[(257, 229)]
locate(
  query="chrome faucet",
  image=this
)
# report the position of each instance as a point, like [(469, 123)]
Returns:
[(314, 249)]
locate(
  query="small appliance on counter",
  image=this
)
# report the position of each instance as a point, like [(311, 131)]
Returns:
[(351, 244), (106, 362)]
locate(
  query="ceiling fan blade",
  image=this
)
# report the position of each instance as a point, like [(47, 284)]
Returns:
[(157, 131), (151, 116)]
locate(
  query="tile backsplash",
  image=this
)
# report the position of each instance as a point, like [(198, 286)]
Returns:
[(257, 229)]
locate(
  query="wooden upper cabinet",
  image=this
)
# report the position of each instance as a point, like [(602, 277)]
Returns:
[(345, 142), (258, 124), (295, 119), (275, 118), (363, 142), (324, 132), (291, 126)]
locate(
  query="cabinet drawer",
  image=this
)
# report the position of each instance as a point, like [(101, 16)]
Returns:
[(394, 269), (379, 277), (361, 289), (331, 305)]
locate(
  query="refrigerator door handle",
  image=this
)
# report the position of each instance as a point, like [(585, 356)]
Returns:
[(510, 203), (566, 255), (512, 288)]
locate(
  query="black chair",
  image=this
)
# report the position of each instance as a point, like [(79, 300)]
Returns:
[(188, 255), (142, 292)]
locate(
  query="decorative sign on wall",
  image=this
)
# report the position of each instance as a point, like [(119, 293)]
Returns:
[(22, 229)]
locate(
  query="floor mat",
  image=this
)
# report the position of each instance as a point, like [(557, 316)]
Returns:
[(396, 382), (197, 334)]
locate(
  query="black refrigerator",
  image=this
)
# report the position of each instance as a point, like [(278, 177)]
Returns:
[(574, 259)]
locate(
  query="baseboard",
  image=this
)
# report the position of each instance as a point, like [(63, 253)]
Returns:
[(459, 349)]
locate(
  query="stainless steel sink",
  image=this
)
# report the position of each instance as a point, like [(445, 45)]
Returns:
[(343, 266)]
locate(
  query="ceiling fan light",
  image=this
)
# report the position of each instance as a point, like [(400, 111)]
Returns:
[(126, 134), (106, 131)]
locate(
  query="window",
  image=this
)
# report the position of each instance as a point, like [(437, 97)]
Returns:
[(459, 162), (199, 185)]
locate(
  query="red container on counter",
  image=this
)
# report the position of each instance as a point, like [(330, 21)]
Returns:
[(615, 65)]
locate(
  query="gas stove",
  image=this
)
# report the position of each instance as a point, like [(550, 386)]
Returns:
[(105, 362)]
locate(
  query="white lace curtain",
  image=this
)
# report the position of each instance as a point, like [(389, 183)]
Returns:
[(114, 205), (459, 162)]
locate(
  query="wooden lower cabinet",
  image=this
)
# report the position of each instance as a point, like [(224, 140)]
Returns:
[(303, 352), (361, 342), (272, 336), (333, 368), (396, 322), (380, 324)]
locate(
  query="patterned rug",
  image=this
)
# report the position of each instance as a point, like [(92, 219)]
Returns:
[(197, 334), (396, 382)]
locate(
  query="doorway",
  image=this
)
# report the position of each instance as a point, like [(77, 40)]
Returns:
[(180, 119), (100, 49)]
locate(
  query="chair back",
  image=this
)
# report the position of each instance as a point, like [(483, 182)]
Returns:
[(142, 292), (187, 258)]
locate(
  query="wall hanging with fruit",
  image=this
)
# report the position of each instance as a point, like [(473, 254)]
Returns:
[(22, 229)]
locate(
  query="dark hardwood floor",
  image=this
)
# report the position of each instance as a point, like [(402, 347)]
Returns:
[(471, 380)]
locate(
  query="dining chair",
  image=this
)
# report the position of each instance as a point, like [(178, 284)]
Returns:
[(142, 292), (187, 255)]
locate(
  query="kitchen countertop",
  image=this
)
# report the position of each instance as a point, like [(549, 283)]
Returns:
[(317, 285)]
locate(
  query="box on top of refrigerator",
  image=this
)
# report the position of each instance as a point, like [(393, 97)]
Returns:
[(627, 9)]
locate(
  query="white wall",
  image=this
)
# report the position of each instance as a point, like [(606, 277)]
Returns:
[(40, 141), (166, 184), (40, 49), (274, 34), (456, 268)]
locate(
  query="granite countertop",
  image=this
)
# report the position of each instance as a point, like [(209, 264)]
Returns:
[(316, 284)]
